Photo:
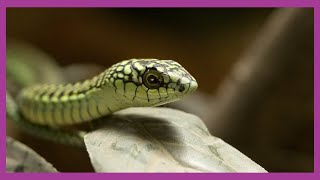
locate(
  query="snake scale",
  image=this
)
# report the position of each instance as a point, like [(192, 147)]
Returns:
[(130, 83)]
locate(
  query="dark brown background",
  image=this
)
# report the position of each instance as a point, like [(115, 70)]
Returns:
[(278, 134)]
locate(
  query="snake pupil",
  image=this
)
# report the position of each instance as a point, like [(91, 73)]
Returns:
[(153, 79)]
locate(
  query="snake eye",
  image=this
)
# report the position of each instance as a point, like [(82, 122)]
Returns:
[(152, 79)]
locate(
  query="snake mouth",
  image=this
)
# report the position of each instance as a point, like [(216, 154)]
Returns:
[(158, 101), (165, 102), (177, 93)]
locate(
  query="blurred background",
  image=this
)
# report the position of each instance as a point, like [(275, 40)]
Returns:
[(254, 68)]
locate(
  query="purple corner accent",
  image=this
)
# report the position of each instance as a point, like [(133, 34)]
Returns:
[(159, 3), (317, 90), (2, 87)]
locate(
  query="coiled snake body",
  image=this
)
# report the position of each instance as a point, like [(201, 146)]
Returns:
[(130, 83)]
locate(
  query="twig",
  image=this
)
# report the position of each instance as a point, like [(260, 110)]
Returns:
[(255, 73)]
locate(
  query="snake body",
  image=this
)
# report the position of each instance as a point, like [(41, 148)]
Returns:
[(130, 83)]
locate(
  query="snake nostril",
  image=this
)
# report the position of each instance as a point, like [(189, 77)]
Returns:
[(181, 88)]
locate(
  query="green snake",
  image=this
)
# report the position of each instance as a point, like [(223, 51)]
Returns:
[(130, 83)]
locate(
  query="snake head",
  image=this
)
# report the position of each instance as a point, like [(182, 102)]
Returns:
[(150, 82)]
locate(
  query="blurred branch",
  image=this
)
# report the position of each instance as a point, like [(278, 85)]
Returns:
[(254, 74)]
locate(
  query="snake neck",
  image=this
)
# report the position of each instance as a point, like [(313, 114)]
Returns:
[(69, 103), (97, 94)]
